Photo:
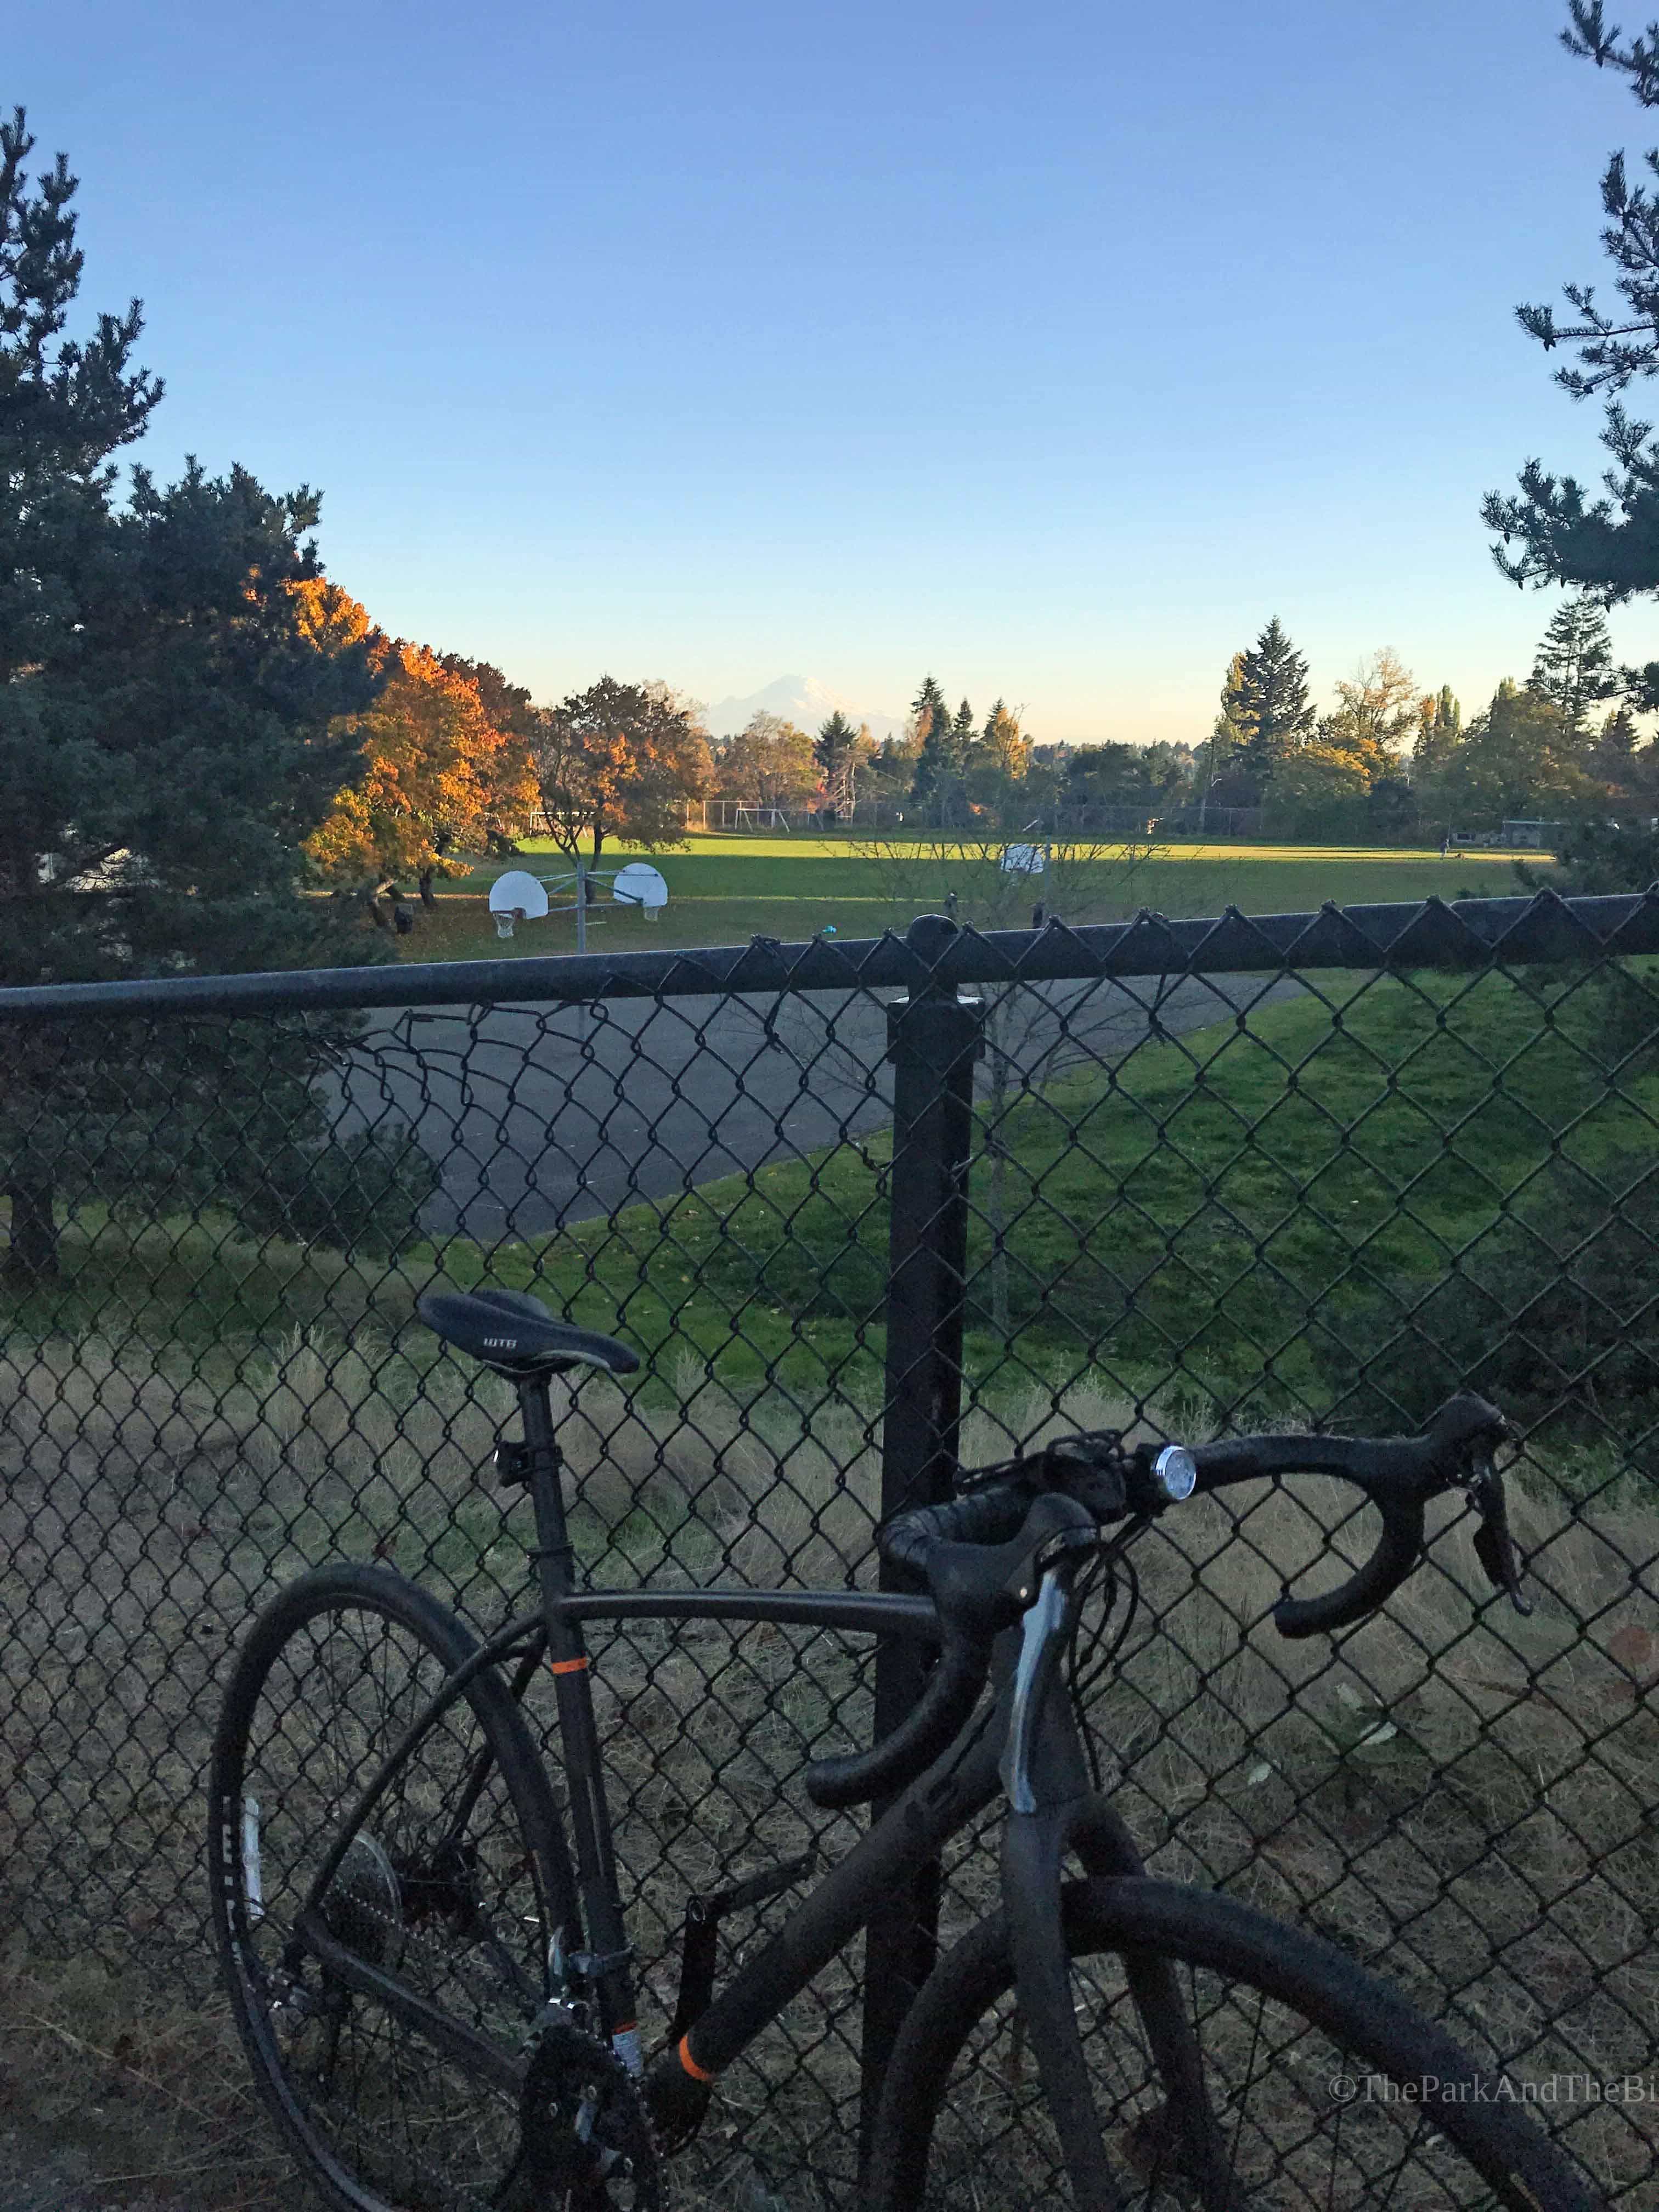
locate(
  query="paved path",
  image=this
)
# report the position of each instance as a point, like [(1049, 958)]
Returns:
[(538, 1116)]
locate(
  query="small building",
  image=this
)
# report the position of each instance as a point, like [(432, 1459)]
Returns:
[(1535, 836)]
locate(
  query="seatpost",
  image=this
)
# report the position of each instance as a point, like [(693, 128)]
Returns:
[(555, 1562)]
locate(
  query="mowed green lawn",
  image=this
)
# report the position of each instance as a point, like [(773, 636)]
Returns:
[(1251, 1218), (723, 890)]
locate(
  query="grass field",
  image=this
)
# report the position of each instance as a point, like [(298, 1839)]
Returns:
[(1141, 1201), (1191, 1216), (723, 890)]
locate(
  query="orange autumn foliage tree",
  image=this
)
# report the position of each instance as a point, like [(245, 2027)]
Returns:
[(331, 618), (438, 778)]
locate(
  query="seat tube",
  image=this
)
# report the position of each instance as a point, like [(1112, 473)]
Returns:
[(590, 1816)]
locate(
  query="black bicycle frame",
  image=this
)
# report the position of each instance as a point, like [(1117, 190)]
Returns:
[(1025, 1742)]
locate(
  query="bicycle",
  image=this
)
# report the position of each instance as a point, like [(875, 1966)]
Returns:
[(435, 1990)]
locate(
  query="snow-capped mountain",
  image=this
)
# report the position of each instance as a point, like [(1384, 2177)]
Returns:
[(801, 700)]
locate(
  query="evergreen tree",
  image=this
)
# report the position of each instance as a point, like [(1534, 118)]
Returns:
[(962, 736), (929, 716), (937, 770), (1515, 760), (1139, 778), (1574, 668), (169, 692), (1596, 850), (834, 741), (892, 766), (1439, 733), (840, 751), (1565, 533), (1612, 756), (1271, 704), (1219, 776), (1233, 702), (169, 734)]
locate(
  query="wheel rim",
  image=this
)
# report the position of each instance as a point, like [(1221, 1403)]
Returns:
[(444, 1896), (1304, 2122)]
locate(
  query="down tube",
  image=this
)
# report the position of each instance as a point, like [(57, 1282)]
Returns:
[(958, 1785)]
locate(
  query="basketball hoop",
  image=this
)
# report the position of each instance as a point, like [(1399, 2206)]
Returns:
[(514, 897)]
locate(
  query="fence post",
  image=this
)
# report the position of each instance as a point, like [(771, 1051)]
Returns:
[(933, 1039)]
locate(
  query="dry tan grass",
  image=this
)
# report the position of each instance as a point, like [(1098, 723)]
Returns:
[(111, 2093), (1462, 1798), (1496, 1853)]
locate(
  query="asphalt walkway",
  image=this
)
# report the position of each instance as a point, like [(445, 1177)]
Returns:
[(542, 1116)]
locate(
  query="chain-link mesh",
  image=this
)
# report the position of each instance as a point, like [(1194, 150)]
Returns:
[(1220, 1177)]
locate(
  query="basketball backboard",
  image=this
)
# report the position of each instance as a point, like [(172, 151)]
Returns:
[(516, 896), (640, 884)]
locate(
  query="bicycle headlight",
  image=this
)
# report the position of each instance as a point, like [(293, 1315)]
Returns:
[(1175, 1472)]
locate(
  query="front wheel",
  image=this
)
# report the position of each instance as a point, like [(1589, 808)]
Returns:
[(1324, 2087)]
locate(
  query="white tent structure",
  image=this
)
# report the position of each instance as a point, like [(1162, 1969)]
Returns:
[(1024, 860)]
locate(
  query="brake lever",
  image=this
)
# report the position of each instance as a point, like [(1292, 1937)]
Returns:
[(1494, 1545)]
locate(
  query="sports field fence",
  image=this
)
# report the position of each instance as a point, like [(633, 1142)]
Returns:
[(865, 1206)]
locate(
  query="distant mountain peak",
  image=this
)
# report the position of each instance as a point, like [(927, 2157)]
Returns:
[(804, 700)]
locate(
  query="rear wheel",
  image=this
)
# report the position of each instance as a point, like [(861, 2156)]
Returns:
[(1325, 2088), (455, 1884)]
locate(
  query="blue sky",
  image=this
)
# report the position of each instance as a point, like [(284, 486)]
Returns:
[(1051, 348)]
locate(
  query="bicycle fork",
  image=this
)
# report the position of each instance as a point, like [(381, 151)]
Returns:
[(1050, 1814)]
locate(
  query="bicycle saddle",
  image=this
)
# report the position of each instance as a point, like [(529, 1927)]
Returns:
[(516, 1335)]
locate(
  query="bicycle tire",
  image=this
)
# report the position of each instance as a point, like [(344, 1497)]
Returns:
[(960, 2122), (331, 1667)]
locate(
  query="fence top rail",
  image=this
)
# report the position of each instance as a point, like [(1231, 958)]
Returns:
[(1423, 934)]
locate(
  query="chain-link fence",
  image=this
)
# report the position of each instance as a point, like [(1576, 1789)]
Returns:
[(852, 1200)]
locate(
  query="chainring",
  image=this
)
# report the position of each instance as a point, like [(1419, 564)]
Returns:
[(586, 2141)]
